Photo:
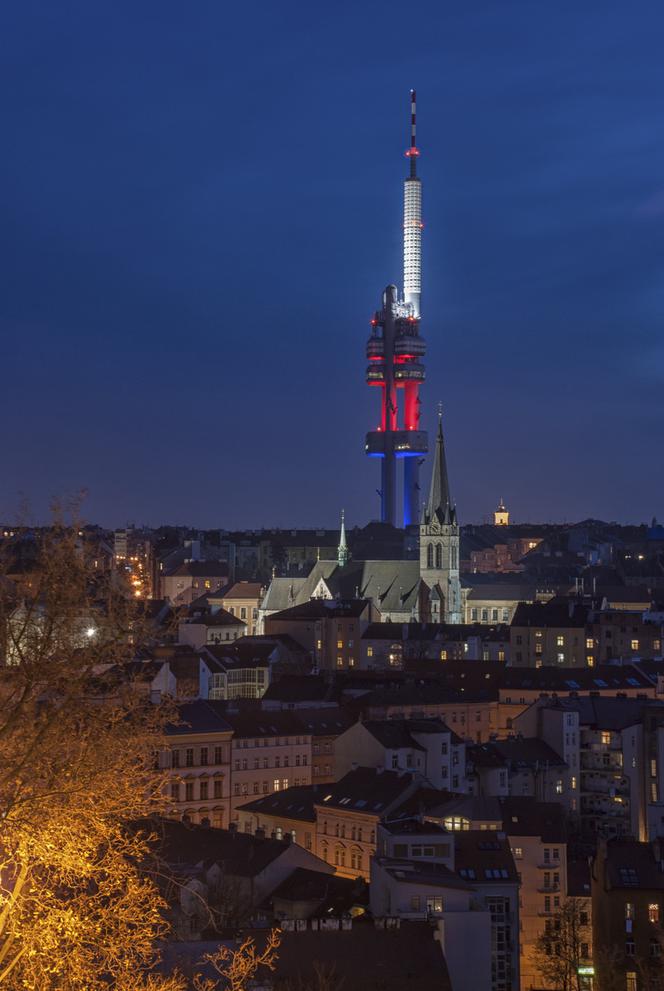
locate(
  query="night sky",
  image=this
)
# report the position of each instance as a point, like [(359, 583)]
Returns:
[(201, 205)]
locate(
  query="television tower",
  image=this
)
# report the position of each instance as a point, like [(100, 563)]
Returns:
[(394, 350)]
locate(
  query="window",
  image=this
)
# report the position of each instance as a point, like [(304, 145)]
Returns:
[(630, 948), (217, 789), (340, 645), (175, 792), (204, 756), (590, 643), (655, 948), (243, 612), (629, 910), (189, 791), (369, 651), (217, 755), (485, 615), (653, 912), (630, 981), (434, 905), (175, 758), (605, 737), (517, 852), (275, 784), (203, 791), (189, 757), (635, 645), (538, 649), (559, 786), (560, 640), (473, 615), (284, 783), (443, 655), (340, 662), (560, 658), (506, 615), (415, 903)]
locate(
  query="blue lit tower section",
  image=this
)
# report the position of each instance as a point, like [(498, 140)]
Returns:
[(395, 350)]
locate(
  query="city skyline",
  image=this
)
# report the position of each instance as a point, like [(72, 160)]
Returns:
[(196, 230)]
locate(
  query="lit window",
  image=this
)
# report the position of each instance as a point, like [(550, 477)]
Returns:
[(605, 737), (369, 651), (573, 782), (538, 648), (319, 645), (590, 643), (559, 786), (275, 784), (630, 981), (340, 645), (538, 634), (443, 655), (560, 658), (590, 660), (656, 644), (340, 662), (560, 640), (653, 912), (501, 655), (635, 644), (629, 910)]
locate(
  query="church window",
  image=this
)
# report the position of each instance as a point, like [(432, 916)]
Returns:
[(439, 556), (430, 556), (454, 559)]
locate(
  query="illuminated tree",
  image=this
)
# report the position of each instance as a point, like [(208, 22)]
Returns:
[(235, 970), (77, 767)]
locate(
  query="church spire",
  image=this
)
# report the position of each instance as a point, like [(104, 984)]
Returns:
[(342, 550), (439, 506)]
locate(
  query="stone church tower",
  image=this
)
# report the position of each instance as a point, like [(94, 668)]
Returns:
[(439, 542)]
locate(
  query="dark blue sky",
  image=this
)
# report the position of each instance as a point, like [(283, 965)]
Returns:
[(201, 204)]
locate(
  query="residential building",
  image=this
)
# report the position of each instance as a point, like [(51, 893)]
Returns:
[(349, 811), (190, 579), (243, 600), (538, 838), (197, 761), (270, 752), (331, 629), (627, 884), (426, 748)]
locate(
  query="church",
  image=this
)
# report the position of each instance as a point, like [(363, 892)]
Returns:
[(425, 590)]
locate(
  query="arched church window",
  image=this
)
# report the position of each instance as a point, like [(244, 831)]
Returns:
[(430, 556), (439, 556)]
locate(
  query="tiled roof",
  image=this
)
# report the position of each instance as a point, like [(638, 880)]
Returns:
[(528, 817), (484, 857), (365, 790)]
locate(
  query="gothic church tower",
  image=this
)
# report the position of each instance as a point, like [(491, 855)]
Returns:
[(439, 542)]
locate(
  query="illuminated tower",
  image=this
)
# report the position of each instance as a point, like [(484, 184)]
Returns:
[(394, 351)]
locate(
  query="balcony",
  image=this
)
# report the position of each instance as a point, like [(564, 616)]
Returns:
[(550, 889)]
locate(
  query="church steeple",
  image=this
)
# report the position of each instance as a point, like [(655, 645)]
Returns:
[(342, 550), (439, 506)]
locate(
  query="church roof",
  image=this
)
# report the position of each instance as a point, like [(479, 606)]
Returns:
[(439, 506)]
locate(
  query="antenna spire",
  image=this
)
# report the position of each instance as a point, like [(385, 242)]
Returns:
[(413, 152)]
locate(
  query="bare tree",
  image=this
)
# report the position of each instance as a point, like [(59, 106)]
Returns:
[(559, 951)]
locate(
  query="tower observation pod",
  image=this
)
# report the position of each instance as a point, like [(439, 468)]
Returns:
[(395, 351)]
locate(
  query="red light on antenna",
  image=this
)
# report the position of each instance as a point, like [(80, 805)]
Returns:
[(412, 151)]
